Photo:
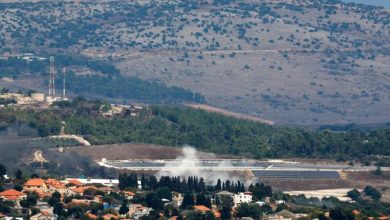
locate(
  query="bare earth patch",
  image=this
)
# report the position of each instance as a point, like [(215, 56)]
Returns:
[(131, 151), (229, 113), (128, 151)]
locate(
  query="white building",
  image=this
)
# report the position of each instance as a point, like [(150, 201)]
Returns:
[(245, 197)]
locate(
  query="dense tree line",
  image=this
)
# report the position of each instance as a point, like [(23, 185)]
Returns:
[(189, 184), (13, 66), (177, 126), (132, 88)]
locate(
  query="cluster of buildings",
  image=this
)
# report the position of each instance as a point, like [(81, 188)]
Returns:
[(122, 111), (21, 99), (29, 57), (85, 193), (72, 188), (77, 191)]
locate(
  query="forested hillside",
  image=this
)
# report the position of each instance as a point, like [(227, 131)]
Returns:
[(103, 80), (176, 126)]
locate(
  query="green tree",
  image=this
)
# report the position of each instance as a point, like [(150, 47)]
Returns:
[(153, 201), (354, 194), (124, 209), (167, 212), (188, 201), (372, 192), (29, 202), (378, 171), (201, 199), (58, 209), (227, 204), (55, 199), (249, 210), (209, 215), (18, 187), (19, 174), (164, 193)]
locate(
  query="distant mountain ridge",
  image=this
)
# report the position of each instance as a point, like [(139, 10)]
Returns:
[(384, 3), (292, 62)]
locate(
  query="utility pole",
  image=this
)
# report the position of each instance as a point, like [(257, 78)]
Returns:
[(63, 84)]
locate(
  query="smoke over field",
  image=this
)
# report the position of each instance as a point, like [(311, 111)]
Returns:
[(190, 165)]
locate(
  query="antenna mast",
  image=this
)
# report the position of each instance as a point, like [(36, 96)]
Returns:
[(52, 73)]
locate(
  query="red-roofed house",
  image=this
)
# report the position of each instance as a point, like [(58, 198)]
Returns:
[(76, 191), (91, 216), (201, 208), (12, 195), (75, 183), (57, 186), (37, 184), (204, 209), (129, 195), (53, 182)]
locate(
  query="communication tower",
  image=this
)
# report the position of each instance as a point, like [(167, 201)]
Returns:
[(52, 73)]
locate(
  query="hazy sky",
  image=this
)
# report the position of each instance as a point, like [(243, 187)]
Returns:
[(385, 3)]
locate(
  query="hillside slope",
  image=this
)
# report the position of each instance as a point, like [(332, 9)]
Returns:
[(293, 62)]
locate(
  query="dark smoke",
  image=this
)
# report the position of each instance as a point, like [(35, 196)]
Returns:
[(74, 164), (19, 142), (14, 146)]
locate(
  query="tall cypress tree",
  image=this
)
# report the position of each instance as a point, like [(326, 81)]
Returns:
[(188, 200), (219, 185)]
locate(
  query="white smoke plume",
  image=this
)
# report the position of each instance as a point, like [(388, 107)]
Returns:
[(189, 164)]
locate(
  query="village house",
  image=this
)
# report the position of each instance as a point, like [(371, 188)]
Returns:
[(55, 185), (129, 195), (73, 182), (76, 191), (12, 195), (177, 199), (224, 194), (138, 210), (239, 198), (44, 207), (204, 209), (44, 216), (284, 215), (36, 185)]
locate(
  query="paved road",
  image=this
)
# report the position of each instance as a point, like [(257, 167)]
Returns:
[(228, 165)]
